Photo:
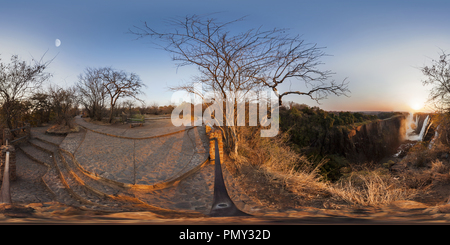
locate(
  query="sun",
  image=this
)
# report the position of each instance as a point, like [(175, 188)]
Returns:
[(415, 105)]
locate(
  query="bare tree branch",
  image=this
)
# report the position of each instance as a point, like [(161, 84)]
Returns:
[(119, 84), (439, 75)]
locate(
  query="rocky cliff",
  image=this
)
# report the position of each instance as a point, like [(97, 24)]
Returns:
[(429, 128), (368, 142)]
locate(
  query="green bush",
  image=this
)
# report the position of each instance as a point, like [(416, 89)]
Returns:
[(308, 124), (138, 116)]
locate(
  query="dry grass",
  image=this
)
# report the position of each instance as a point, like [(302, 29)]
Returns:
[(303, 181), (371, 188)]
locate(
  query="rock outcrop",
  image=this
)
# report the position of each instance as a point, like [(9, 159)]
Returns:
[(429, 128), (368, 142)]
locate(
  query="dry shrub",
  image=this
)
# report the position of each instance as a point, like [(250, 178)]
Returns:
[(416, 179), (370, 188), (438, 167), (418, 155), (422, 166), (437, 150)]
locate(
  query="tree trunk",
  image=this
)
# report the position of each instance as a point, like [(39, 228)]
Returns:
[(113, 103), (230, 141), (6, 108), (111, 114)]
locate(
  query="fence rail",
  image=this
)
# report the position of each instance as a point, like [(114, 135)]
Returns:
[(21, 138), (8, 136), (12, 130)]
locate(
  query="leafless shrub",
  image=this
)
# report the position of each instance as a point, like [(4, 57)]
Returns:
[(17, 80), (438, 167)]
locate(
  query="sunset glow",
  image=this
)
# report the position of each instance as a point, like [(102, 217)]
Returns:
[(416, 105)]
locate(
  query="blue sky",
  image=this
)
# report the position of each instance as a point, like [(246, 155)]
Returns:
[(378, 45)]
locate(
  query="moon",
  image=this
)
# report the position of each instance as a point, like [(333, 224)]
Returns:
[(57, 42)]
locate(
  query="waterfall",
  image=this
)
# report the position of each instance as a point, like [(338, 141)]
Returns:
[(410, 135), (436, 135), (424, 127)]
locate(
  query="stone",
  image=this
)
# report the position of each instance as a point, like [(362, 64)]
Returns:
[(132, 125), (183, 205)]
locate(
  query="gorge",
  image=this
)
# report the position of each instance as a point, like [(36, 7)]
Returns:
[(377, 139), (370, 141)]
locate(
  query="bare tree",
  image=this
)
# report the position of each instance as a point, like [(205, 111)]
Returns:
[(142, 108), (237, 63), (40, 107), (17, 80), (129, 104), (92, 92), (154, 108), (119, 84), (62, 101), (438, 76), (295, 60)]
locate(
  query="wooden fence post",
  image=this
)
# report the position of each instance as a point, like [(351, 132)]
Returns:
[(6, 135), (28, 130), (215, 134)]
